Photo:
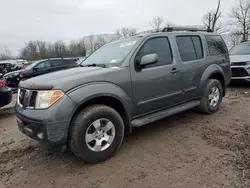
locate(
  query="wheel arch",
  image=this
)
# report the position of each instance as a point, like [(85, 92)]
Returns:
[(213, 72), (106, 94)]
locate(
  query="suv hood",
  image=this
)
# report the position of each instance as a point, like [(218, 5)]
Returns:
[(68, 79), (240, 58)]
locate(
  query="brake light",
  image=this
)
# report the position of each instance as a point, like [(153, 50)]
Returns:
[(2, 83)]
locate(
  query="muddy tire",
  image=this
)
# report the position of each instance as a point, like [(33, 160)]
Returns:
[(96, 133), (211, 97)]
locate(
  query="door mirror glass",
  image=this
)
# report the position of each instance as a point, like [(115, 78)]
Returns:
[(149, 60)]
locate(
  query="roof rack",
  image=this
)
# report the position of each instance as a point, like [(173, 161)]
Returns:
[(171, 29)]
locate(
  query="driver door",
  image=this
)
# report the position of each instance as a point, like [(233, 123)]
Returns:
[(156, 86)]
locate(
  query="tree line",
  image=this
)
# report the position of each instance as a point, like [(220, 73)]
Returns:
[(237, 27)]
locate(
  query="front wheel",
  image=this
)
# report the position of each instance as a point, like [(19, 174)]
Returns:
[(211, 97), (96, 133)]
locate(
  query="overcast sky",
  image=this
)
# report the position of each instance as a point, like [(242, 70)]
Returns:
[(50, 20)]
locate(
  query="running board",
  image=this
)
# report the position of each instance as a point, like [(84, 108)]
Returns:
[(163, 114)]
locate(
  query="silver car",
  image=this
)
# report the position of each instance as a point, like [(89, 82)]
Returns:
[(240, 62)]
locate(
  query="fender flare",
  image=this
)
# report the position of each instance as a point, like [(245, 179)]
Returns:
[(210, 70), (87, 92)]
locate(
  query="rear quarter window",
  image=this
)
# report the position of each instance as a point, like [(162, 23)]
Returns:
[(216, 45), (70, 62)]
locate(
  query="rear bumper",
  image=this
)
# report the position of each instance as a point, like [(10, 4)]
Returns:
[(5, 96)]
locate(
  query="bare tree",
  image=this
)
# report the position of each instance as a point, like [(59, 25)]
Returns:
[(77, 48), (99, 42), (234, 37), (240, 15), (5, 53), (210, 19), (157, 23), (42, 49), (60, 49), (90, 43), (125, 32)]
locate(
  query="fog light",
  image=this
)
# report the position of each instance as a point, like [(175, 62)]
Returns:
[(40, 136)]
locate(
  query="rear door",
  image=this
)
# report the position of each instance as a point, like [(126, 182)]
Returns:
[(192, 55)]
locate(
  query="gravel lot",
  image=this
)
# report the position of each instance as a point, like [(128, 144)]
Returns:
[(187, 150)]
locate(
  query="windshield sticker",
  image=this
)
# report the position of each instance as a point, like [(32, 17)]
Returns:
[(131, 43), (115, 61)]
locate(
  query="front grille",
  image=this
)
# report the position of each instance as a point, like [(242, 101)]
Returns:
[(27, 98), (239, 72), (33, 99), (239, 63)]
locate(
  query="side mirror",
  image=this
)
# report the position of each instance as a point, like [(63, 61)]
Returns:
[(149, 60), (36, 69)]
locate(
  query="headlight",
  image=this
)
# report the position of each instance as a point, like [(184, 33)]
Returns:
[(45, 99), (248, 62)]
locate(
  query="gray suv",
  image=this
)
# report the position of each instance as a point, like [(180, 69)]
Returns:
[(127, 83)]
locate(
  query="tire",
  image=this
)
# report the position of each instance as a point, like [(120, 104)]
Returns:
[(84, 122), (205, 105)]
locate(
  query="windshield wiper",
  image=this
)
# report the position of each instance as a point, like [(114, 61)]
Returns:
[(94, 65)]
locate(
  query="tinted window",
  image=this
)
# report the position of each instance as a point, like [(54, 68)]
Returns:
[(57, 63), (186, 48), (43, 65), (216, 45), (69, 62), (198, 47), (161, 47)]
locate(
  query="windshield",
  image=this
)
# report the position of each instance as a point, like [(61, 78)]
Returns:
[(32, 65), (111, 53), (240, 49)]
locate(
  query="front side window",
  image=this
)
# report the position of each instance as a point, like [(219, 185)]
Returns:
[(43, 65), (159, 46)]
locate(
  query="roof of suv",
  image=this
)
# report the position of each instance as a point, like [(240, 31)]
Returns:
[(179, 30)]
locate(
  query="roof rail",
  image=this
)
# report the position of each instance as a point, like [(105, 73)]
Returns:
[(171, 29)]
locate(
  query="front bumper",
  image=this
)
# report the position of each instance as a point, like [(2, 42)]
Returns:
[(50, 125), (5, 96), (240, 73)]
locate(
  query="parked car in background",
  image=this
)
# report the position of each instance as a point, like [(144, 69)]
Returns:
[(240, 62), (127, 83), (38, 68), (15, 64), (4, 68), (5, 94)]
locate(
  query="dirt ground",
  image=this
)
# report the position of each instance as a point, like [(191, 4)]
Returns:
[(187, 150)]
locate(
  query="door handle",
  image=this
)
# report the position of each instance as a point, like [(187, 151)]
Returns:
[(174, 71)]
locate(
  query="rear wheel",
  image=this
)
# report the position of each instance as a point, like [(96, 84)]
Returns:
[(96, 134), (211, 97)]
